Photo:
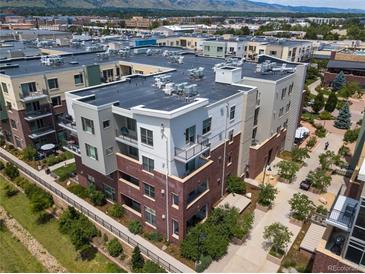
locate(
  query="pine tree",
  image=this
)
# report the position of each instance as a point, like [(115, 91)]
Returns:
[(318, 103), (339, 81), (343, 120), (137, 260), (331, 102)]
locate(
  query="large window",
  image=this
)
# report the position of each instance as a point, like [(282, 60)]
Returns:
[(147, 136), (88, 125), (150, 215), (91, 152), (56, 101), (132, 203), (190, 135), (53, 83), (149, 191), (232, 113), (28, 87), (202, 187), (109, 192), (130, 179), (207, 123), (148, 164), (79, 79)]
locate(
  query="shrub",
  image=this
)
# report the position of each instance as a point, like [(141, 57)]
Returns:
[(97, 198), (11, 171), (29, 153), (135, 227), (344, 151), (114, 248), (301, 206), (299, 154), (245, 225), (10, 190), (151, 267), (311, 142), (236, 185), (116, 210), (203, 263), (39, 198), (87, 252), (320, 131), (288, 169), (154, 236), (318, 103), (216, 244), (324, 115), (322, 210), (320, 180), (308, 117), (78, 190), (351, 135), (43, 218), (267, 194), (137, 260)]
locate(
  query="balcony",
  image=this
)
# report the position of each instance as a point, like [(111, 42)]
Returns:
[(342, 213), (126, 138), (32, 96), (37, 114), (192, 150), (67, 123), (40, 132), (73, 148)]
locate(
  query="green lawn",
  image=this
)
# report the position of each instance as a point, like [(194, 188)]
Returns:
[(58, 244), (64, 172), (14, 256)]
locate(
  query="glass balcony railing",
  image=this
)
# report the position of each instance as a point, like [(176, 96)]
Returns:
[(39, 132)]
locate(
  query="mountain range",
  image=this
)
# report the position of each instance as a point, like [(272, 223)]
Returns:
[(204, 5)]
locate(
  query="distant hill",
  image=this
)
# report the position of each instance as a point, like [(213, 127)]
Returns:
[(204, 5)]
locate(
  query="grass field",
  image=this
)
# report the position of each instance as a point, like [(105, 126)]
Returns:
[(14, 256), (65, 172), (58, 244)]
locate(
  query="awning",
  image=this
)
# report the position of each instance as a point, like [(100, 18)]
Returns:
[(301, 132)]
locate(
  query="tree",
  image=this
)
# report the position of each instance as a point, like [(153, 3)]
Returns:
[(11, 171), (318, 103), (343, 120), (137, 260), (114, 248), (267, 194), (116, 210), (135, 227), (29, 153), (279, 236), (236, 185), (339, 81), (299, 154), (351, 135), (287, 170), (320, 180), (329, 158), (331, 102), (301, 206)]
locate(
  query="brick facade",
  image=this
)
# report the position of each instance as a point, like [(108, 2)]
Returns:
[(327, 264), (329, 77)]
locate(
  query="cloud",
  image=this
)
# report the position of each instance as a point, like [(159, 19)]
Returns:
[(357, 4)]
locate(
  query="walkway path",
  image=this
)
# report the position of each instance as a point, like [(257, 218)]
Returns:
[(61, 164), (312, 87), (151, 251), (34, 247), (251, 256)]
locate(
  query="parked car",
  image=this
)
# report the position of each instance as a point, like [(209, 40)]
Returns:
[(305, 184)]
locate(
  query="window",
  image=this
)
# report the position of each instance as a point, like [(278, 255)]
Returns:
[(4, 87), (190, 135), (106, 124), (129, 202), (256, 117), (109, 192), (207, 125), (219, 49), (149, 190), (109, 151), (147, 136), (281, 111), (87, 125), (28, 87), (232, 113), (108, 74), (53, 83), (290, 88), (175, 199), (254, 132), (148, 164), (175, 227), (190, 166), (56, 101), (229, 159), (79, 79), (285, 125), (118, 71), (8, 105), (288, 107), (202, 187), (13, 123), (283, 93), (230, 135), (130, 179), (90, 180), (150, 215), (91, 152)]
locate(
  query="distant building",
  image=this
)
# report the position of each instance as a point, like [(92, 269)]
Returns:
[(138, 22)]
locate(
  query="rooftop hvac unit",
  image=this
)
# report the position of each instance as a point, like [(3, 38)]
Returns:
[(197, 73), (191, 90), (51, 60), (102, 55), (169, 88), (180, 87)]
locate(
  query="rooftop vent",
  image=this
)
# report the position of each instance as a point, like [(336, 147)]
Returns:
[(51, 60), (271, 67), (74, 62)]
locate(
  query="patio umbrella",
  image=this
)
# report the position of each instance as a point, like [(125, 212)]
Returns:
[(47, 147)]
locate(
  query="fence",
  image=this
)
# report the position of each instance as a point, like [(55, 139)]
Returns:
[(154, 257)]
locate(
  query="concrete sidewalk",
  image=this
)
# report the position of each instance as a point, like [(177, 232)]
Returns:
[(61, 164), (154, 252)]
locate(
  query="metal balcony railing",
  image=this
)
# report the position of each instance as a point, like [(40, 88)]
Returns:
[(33, 114), (72, 148), (67, 123), (192, 150), (25, 96), (126, 137)]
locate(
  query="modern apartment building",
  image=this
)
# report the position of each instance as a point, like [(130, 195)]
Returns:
[(163, 142), (32, 92), (342, 248)]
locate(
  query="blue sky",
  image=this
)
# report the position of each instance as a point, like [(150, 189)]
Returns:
[(358, 4)]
